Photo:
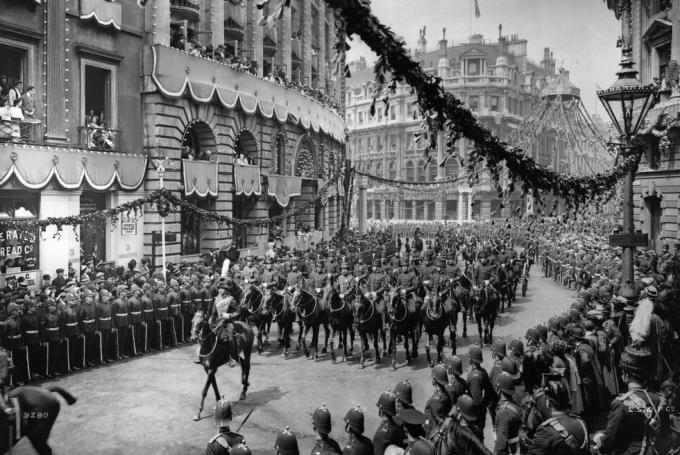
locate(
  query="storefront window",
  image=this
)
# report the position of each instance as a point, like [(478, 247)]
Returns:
[(18, 248)]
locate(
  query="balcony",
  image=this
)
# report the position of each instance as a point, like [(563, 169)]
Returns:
[(185, 9), (21, 131), (98, 138), (177, 74), (296, 49), (269, 42), (233, 30), (106, 14)]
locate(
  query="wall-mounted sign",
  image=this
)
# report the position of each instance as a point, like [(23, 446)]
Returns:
[(18, 248), (128, 227)]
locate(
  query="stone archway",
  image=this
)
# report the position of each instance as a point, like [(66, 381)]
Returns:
[(198, 141), (305, 159), (245, 147)]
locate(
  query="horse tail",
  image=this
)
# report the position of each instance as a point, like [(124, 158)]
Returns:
[(70, 399)]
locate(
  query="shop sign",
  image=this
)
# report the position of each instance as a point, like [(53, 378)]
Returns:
[(20, 247), (128, 227)]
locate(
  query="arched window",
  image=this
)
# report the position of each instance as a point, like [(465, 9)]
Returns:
[(369, 209), (278, 164), (245, 148), (377, 210), (451, 168), (432, 171), (408, 210), (420, 171), (392, 166), (378, 169), (410, 171)]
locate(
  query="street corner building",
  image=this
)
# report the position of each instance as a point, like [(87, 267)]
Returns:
[(248, 116), (514, 97)]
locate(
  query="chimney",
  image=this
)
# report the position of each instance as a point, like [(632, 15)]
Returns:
[(422, 42), (548, 62), (502, 41), (443, 44)]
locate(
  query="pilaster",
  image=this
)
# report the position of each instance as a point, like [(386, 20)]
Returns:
[(283, 47), (57, 252), (217, 21), (160, 22), (306, 26), (321, 25), (56, 80)]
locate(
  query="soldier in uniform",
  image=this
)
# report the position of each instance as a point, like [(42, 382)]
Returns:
[(104, 327), (250, 271), (508, 420), (457, 386), (30, 328), (403, 393), (73, 334), (484, 272), (635, 417), (415, 434), (162, 318), (293, 276), (535, 363), (174, 312), (121, 323), (377, 283), (136, 317), (225, 439), (148, 317), (59, 281), (269, 276), (53, 337), (498, 352), (481, 390), (91, 340), (286, 443), (186, 310), (439, 405), (345, 282), (321, 424), (357, 444), (317, 280), (407, 279), (361, 271), (465, 413), (389, 432), (16, 346), (562, 433)]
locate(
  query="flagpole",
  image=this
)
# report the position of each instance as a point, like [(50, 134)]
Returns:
[(472, 6)]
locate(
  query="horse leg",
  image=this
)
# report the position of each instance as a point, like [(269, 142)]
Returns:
[(376, 346), (301, 336), (215, 389), (351, 339), (427, 349), (393, 349), (333, 345), (304, 341), (406, 347), (465, 321), (315, 340), (342, 339), (480, 329), (260, 329), (208, 381), (245, 373), (326, 330), (40, 445), (440, 345)]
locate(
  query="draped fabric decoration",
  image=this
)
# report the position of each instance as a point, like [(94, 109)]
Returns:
[(34, 168), (104, 13), (283, 187), (200, 178), (177, 73), (247, 180)]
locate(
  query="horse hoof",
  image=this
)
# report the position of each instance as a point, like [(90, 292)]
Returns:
[(197, 417), (243, 396)]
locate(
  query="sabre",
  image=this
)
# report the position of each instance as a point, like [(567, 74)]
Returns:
[(245, 420)]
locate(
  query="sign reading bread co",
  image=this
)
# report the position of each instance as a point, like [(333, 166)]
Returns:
[(129, 227)]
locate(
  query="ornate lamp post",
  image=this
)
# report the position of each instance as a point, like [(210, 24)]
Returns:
[(627, 102)]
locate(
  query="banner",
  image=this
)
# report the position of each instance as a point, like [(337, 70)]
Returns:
[(18, 248)]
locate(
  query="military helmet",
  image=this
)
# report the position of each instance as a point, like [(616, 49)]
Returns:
[(355, 419), (498, 347), (506, 383), (321, 419), (421, 447), (532, 335), (240, 449), (466, 407), (387, 403), (509, 366), (223, 413), (404, 392), (455, 364), (476, 354), (439, 374), (542, 332), (516, 347), (286, 443)]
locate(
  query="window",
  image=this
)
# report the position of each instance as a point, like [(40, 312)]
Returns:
[(473, 102), (494, 103), (240, 233), (92, 242), (377, 210), (97, 81), (18, 248), (379, 169), (14, 66), (432, 171), (431, 210), (664, 55), (392, 170), (452, 209), (369, 209), (408, 210), (420, 171), (380, 115), (191, 227), (451, 168), (474, 67), (361, 118), (393, 113), (420, 210), (410, 171), (389, 207)]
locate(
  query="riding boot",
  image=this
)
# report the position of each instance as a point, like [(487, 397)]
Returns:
[(197, 360), (233, 355)]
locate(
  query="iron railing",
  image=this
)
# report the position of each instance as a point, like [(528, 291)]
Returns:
[(98, 138)]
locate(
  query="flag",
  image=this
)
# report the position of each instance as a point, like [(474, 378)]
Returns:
[(477, 13)]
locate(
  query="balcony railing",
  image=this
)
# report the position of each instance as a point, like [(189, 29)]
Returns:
[(187, 9), (27, 131), (98, 138)]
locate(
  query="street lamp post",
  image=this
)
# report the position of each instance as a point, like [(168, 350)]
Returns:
[(160, 169), (627, 102)]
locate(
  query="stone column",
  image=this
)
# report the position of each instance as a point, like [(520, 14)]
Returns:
[(56, 80), (330, 50), (361, 205), (57, 252), (321, 25), (160, 22), (217, 21), (306, 26), (469, 206), (283, 47), (460, 206), (254, 34)]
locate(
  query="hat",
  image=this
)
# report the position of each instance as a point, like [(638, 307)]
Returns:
[(60, 270), (286, 443), (636, 360), (412, 417)]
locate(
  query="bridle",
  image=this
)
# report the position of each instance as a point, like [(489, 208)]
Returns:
[(313, 310), (249, 306), (201, 338)]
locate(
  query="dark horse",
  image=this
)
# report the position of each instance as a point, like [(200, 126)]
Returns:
[(485, 306), (506, 285), (368, 319), (214, 352), (340, 318), (256, 313), (457, 300), (36, 411), (435, 320), (454, 438), (312, 316), (403, 320), (282, 314)]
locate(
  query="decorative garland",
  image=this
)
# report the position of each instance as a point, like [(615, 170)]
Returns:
[(408, 183)]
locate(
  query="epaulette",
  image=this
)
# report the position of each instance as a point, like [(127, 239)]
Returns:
[(220, 440)]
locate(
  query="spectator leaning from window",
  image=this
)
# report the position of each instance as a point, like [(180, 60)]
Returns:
[(28, 102), (16, 111), (5, 111), (4, 86), (242, 160), (16, 92), (187, 153)]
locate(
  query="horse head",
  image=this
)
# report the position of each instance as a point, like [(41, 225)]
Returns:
[(198, 325)]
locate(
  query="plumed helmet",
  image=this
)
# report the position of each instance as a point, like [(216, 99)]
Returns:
[(355, 419), (387, 403), (516, 347), (321, 419), (404, 392), (476, 354), (636, 360), (223, 413), (455, 364), (499, 348), (240, 449), (506, 383), (286, 443), (466, 407), (439, 374), (557, 392)]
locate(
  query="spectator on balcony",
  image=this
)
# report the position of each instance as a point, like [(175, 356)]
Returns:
[(105, 138), (187, 153), (28, 102), (242, 160), (205, 155), (16, 92), (4, 86), (5, 112), (178, 39)]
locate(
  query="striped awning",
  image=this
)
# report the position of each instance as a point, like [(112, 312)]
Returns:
[(247, 180), (106, 14)]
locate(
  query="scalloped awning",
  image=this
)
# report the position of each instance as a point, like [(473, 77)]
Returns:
[(106, 14), (283, 187), (200, 178), (35, 167), (247, 180), (176, 73)]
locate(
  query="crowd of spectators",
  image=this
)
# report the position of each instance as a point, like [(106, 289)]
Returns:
[(17, 109)]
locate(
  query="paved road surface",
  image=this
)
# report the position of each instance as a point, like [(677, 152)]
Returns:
[(145, 406)]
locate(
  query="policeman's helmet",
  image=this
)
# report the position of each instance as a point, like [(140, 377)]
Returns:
[(286, 443), (476, 354), (387, 403), (532, 335), (439, 375), (223, 413), (498, 348), (556, 391), (321, 419), (510, 367), (505, 383), (466, 407), (455, 364), (516, 347), (240, 449), (404, 392), (355, 419)]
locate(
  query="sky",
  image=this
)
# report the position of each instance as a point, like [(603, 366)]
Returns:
[(581, 33)]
